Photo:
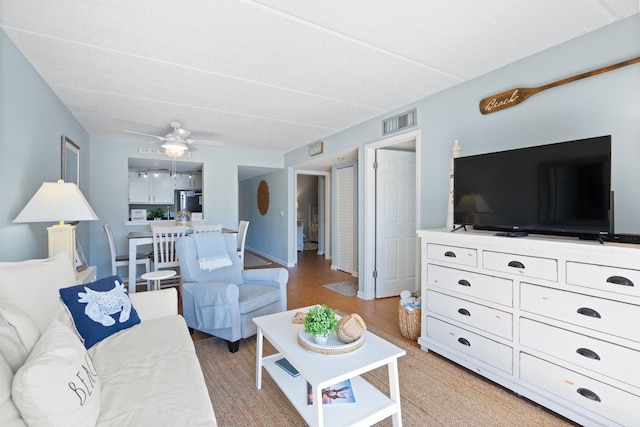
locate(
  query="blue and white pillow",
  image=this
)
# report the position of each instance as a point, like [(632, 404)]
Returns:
[(100, 309)]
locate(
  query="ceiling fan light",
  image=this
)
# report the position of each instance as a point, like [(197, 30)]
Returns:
[(172, 152), (174, 148)]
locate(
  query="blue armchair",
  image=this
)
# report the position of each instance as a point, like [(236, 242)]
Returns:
[(223, 301)]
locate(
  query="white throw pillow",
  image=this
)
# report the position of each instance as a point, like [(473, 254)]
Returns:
[(9, 415), (18, 335), (33, 286), (58, 384)]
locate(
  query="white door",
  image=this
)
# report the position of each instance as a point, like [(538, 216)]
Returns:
[(345, 248), (395, 222)]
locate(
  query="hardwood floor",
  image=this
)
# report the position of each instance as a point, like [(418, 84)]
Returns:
[(306, 288)]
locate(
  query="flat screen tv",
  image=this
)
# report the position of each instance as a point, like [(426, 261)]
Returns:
[(562, 188)]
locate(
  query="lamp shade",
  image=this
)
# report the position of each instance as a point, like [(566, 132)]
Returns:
[(57, 201)]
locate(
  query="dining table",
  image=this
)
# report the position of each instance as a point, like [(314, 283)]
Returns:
[(140, 238)]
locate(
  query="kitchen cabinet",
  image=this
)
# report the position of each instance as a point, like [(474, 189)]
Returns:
[(155, 188), (188, 182), (552, 318)]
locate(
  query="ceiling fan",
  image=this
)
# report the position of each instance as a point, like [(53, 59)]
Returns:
[(177, 141)]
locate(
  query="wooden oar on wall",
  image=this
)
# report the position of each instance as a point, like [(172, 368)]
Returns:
[(512, 97)]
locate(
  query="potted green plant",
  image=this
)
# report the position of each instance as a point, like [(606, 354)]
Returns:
[(320, 322), (156, 214)]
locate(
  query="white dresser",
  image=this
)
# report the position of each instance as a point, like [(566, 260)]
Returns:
[(554, 319)]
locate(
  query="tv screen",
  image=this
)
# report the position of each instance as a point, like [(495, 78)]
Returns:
[(561, 188)]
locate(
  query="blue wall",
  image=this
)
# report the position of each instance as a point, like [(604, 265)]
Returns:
[(32, 122), (109, 190), (599, 105), (267, 234)]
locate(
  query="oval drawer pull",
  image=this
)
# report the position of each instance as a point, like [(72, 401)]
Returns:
[(589, 394), (516, 264), (464, 312), (450, 254), (464, 341), (619, 280), (589, 312), (463, 282), (588, 353)]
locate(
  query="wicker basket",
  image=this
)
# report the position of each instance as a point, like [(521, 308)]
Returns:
[(410, 322)]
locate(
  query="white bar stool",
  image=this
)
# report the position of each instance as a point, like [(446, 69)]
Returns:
[(157, 276)]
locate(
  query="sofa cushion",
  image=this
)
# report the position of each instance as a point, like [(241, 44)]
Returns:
[(18, 335), (100, 309), (58, 384), (9, 414), (150, 376), (21, 281)]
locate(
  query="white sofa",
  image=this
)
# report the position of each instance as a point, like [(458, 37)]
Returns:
[(146, 375)]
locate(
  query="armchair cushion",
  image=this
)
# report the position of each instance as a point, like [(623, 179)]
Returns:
[(100, 309), (253, 297)]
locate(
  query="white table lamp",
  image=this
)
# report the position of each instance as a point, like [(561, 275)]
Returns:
[(58, 202)]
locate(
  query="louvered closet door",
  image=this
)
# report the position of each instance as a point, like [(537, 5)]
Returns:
[(345, 222)]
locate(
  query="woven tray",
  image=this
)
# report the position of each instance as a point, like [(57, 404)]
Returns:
[(333, 347)]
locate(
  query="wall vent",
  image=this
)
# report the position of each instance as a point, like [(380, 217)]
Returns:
[(399, 122)]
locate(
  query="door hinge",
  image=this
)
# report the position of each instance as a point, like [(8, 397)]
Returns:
[(375, 274), (375, 165)]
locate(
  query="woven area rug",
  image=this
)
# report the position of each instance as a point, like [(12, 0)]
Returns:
[(433, 391), (348, 288)]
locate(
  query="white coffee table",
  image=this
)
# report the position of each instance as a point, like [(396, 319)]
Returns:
[(322, 371)]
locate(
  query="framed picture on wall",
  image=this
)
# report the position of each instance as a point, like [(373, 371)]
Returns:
[(81, 261), (70, 170)]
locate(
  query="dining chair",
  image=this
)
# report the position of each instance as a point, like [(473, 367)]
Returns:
[(207, 228), (164, 250), (242, 236), (123, 260)]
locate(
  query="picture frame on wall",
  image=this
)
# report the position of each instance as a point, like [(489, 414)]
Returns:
[(81, 261), (70, 164)]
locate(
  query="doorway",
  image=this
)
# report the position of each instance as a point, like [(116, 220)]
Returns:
[(312, 225), (406, 141)]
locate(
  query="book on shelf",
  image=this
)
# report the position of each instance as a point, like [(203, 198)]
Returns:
[(337, 394)]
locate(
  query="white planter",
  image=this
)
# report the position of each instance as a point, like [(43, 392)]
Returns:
[(320, 339)]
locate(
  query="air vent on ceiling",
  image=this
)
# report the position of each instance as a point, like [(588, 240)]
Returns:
[(399, 122)]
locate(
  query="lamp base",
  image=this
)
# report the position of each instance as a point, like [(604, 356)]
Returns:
[(62, 238)]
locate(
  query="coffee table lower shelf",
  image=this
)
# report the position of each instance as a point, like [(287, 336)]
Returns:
[(370, 407)]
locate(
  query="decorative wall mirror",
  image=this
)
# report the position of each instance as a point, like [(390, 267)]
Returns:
[(263, 197), (70, 170)]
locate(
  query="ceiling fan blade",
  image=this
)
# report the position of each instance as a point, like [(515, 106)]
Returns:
[(209, 142), (160, 138)]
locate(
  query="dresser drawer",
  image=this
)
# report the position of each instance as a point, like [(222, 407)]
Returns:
[(611, 279), (600, 356), (611, 317), (522, 265), (602, 399), (453, 254), (494, 289), (488, 319), (474, 345)]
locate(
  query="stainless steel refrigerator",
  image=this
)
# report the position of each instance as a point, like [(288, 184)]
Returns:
[(189, 200)]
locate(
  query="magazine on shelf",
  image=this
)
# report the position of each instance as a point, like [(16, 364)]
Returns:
[(338, 394)]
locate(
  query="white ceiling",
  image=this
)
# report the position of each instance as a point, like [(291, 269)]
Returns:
[(276, 74)]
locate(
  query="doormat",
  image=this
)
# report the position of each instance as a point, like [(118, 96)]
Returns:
[(348, 288)]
